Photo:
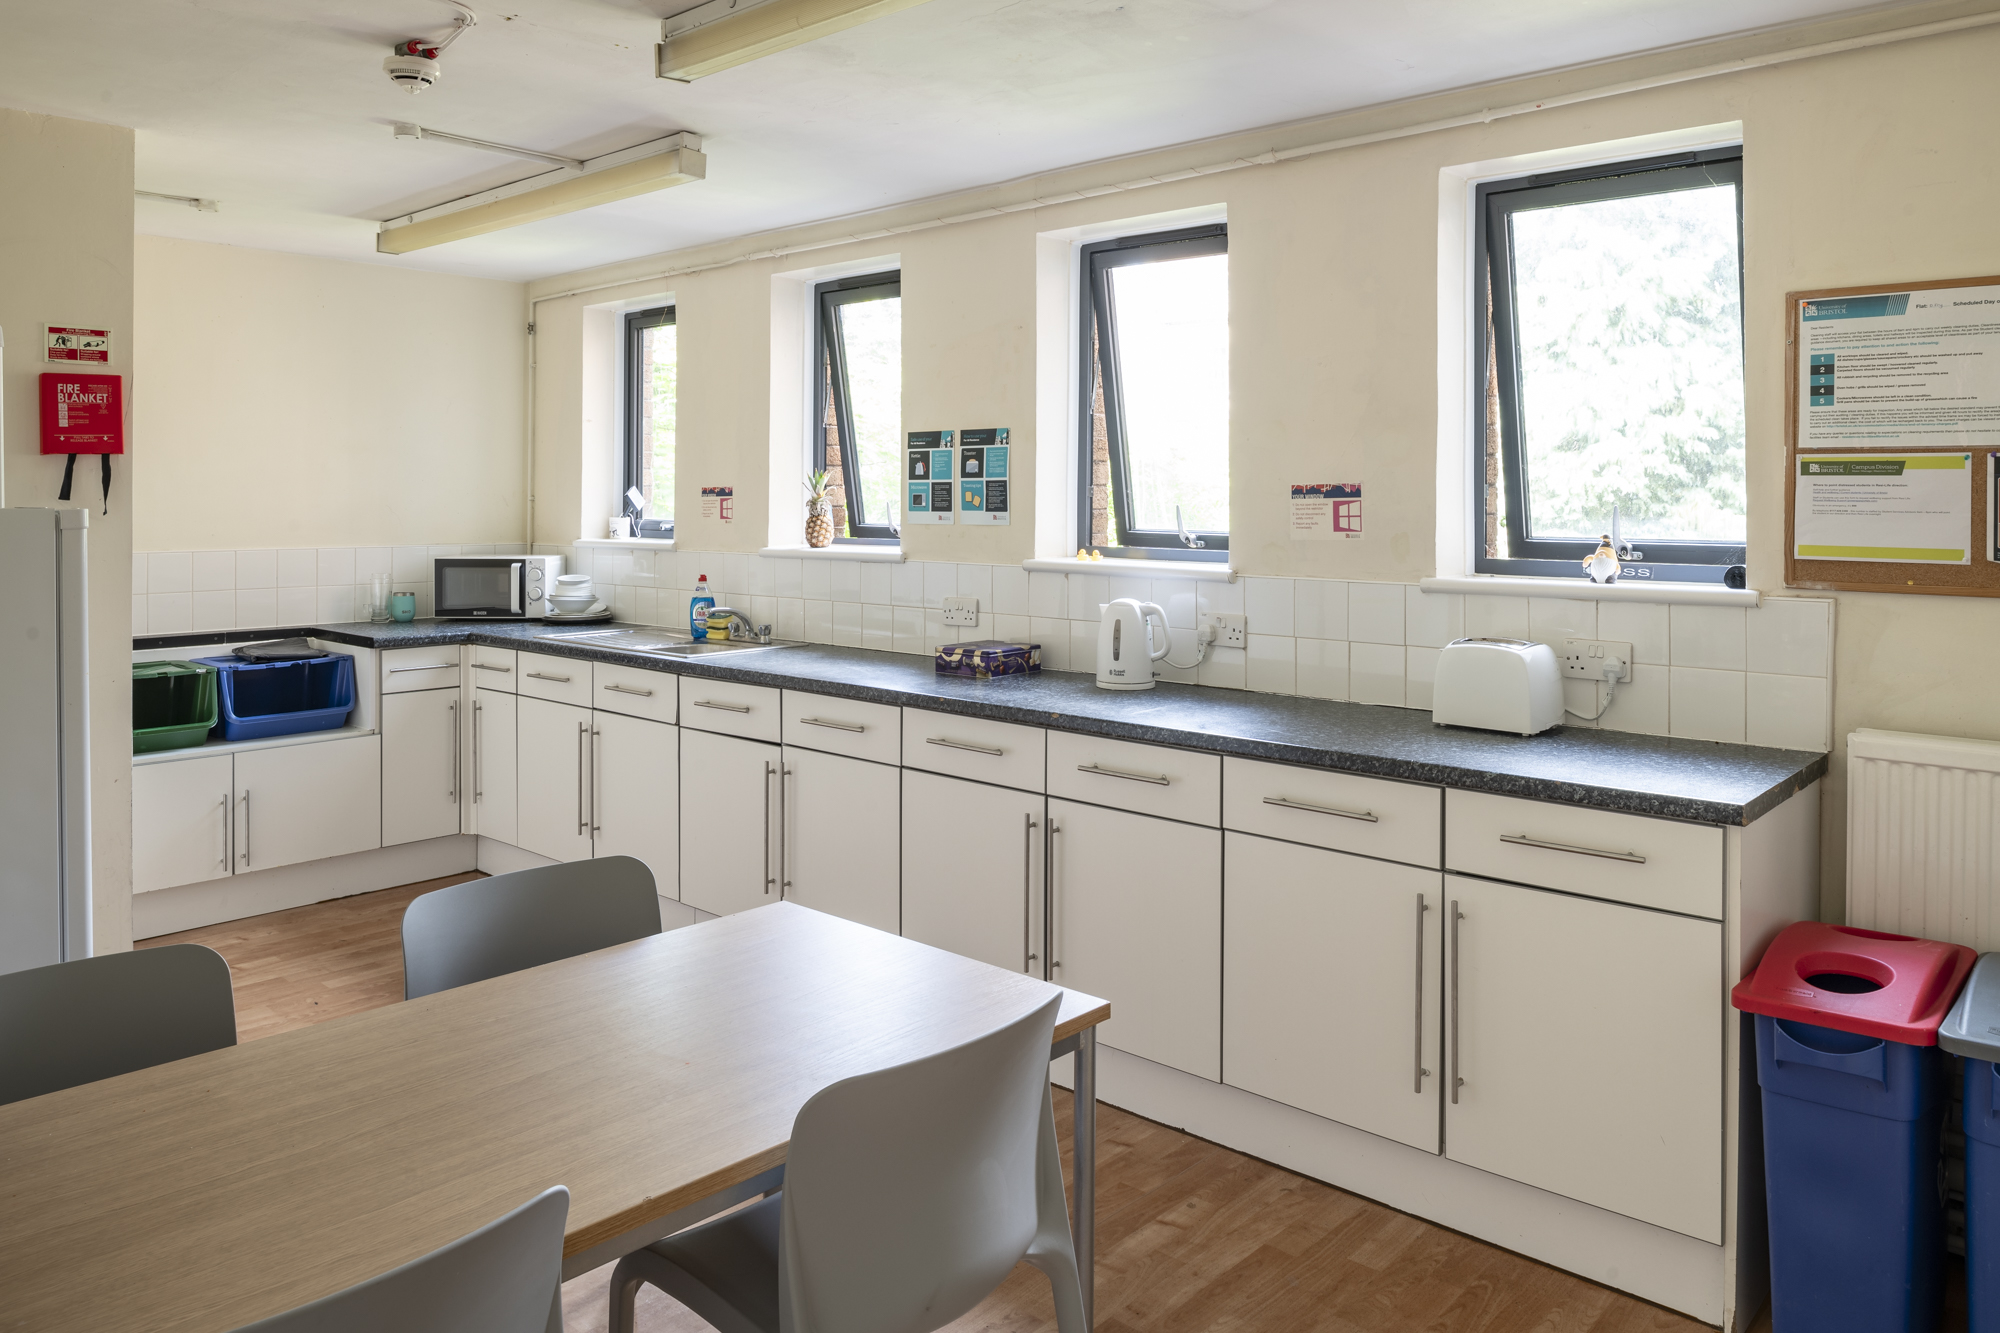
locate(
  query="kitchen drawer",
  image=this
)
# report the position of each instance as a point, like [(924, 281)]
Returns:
[(1397, 821), (493, 668), (750, 711), (419, 668), (562, 680), (1598, 853), (844, 726), (1003, 753), (1151, 779), (624, 689)]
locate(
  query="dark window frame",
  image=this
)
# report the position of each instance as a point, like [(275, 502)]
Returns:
[(1098, 356), (829, 354), (636, 324), (1495, 202)]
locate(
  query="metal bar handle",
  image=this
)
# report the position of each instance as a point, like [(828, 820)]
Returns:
[(1055, 964), (727, 708), (488, 666), (768, 881), (837, 726), (560, 680), (478, 778), (227, 806), (1457, 1065), (1158, 780), (246, 827), (452, 708), (1027, 893), (963, 745), (435, 666), (582, 764), (1523, 840), (784, 861), (1422, 1073), (1366, 816), (627, 689), (595, 827)]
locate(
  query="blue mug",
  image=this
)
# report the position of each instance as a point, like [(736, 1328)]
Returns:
[(402, 606)]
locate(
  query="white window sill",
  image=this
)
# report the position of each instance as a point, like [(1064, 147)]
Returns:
[(881, 555), (632, 543), (1583, 590), (1196, 571)]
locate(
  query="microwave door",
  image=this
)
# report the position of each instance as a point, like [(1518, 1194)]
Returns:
[(514, 583), (475, 587)]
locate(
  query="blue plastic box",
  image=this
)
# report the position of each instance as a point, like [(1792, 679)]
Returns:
[(1972, 1032), (264, 699)]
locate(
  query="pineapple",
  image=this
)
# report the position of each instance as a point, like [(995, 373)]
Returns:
[(819, 511)]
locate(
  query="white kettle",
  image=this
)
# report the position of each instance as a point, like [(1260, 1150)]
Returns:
[(1127, 646)]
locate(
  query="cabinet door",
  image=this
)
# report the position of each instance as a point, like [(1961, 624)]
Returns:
[(972, 869), (635, 802), (180, 822), (421, 770), (1136, 911), (304, 802), (839, 849), (1586, 1041), (493, 768), (1330, 982), (729, 822), (552, 747)]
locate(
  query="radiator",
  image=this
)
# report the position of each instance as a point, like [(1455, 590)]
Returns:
[(1923, 819)]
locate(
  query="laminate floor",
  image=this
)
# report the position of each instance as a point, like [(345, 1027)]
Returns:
[(1191, 1237)]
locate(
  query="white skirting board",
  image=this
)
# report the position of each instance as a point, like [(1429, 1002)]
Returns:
[(234, 897), (1661, 1266)]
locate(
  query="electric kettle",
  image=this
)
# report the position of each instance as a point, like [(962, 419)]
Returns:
[(1126, 645)]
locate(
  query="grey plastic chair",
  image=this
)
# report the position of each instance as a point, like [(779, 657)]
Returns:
[(490, 927), (93, 1018), (910, 1194), (496, 1280)]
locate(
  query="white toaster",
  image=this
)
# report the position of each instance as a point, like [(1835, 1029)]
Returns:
[(1497, 684)]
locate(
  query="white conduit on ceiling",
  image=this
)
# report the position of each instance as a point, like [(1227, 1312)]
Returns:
[(1267, 158)]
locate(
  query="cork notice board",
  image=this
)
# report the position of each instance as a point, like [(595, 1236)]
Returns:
[(1905, 369)]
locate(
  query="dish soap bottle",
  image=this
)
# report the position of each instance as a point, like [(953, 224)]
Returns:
[(698, 609)]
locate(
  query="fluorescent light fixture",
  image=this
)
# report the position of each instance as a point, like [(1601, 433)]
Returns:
[(642, 169), (724, 33), (200, 205)]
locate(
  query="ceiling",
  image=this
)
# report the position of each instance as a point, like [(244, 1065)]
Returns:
[(282, 112)]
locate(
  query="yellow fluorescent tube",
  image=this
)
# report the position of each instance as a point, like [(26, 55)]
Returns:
[(675, 167), (776, 25)]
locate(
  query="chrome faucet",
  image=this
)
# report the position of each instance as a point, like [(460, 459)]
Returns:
[(733, 617)]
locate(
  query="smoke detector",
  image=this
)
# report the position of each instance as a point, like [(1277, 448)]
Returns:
[(414, 63)]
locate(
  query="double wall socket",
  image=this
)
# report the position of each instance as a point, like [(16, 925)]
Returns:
[(1583, 659), (961, 610), (1230, 631)]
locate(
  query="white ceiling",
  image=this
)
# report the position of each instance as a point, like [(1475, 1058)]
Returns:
[(281, 110)]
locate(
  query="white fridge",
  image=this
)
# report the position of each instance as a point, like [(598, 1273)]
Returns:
[(44, 739)]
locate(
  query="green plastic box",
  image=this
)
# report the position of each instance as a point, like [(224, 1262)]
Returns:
[(173, 705)]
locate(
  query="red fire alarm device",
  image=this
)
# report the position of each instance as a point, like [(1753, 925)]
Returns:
[(83, 414)]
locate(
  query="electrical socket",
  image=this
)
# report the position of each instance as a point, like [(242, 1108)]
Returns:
[(961, 611), (1583, 659), (1230, 631)]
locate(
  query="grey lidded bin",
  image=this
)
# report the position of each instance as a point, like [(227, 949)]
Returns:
[(1972, 1031)]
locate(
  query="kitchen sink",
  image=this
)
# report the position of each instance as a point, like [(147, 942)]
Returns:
[(664, 642)]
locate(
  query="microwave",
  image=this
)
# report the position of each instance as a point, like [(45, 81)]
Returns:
[(493, 587)]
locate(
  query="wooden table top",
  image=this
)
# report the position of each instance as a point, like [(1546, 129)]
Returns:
[(213, 1191)]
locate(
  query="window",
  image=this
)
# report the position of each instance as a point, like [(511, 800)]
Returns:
[(1155, 412), (651, 388), (1611, 361), (857, 439)]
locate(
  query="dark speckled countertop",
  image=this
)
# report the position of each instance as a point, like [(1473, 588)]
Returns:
[(1669, 777)]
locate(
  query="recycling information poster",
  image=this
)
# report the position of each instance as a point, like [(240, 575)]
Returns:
[(1918, 369), (1912, 508), (927, 477), (983, 481)]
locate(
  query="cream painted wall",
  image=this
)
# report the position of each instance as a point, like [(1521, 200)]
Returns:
[(66, 258), (1334, 282), (295, 401)]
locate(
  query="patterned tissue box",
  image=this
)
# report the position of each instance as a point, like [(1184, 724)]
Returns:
[(989, 658)]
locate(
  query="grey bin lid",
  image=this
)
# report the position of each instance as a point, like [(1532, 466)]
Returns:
[(1972, 1028)]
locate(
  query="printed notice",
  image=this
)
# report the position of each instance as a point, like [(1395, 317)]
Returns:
[(1326, 511), (983, 482), (1917, 369), (927, 477), (1910, 508), (76, 346), (719, 503)]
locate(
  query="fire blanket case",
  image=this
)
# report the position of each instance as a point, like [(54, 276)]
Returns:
[(83, 414)]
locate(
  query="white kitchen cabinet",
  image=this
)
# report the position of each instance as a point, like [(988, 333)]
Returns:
[(1136, 917), (552, 749), (1584, 1050), (308, 801), (1331, 976), (839, 847), (493, 768), (180, 821), (421, 765), (972, 869), (729, 821), (635, 794)]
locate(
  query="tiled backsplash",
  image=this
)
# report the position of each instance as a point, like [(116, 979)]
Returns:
[(1706, 672)]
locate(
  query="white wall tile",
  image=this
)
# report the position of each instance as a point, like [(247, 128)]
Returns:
[(140, 560), (1641, 624), (214, 610), (1432, 619), (1223, 668), (336, 604), (977, 581), (1053, 635), (1181, 647), (1048, 597), (1705, 636), (372, 560), (1420, 670), (299, 568), (1375, 672), (847, 624), (816, 580), (741, 572), (1375, 615), (1178, 598), (1010, 590), (1219, 599), (482, 548), (213, 571), (139, 614), (646, 608), (761, 576), (1322, 671), (169, 571), (818, 627), (936, 632), (878, 627), (877, 583), (906, 583), (1553, 619), (1705, 705), (300, 606), (1789, 636), (1272, 664), (1319, 611), (169, 612), (1121, 585), (1013, 629), (1082, 646), (1580, 701), (583, 560), (448, 551), (790, 622), (667, 569), (613, 565), (940, 582), (642, 572), (1789, 712), (788, 576), (256, 608), (1268, 604), (256, 569), (844, 579), (336, 566), (1496, 617), (1641, 703), (906, 629), (1087, 592)]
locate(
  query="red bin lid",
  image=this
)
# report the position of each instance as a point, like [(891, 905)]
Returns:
[(1896, 987)]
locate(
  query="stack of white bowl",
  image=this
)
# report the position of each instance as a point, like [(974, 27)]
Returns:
[(574, 595)]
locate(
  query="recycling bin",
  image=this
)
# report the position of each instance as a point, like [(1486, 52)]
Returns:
[(1853, 1098), (1972, 1031)]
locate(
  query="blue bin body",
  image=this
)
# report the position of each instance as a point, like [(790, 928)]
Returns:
[(1851, 1173), (1982, 1195), (262, 699)]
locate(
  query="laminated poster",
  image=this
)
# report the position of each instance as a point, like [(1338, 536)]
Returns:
[(927, 477), (983, 482), (1326, 511), (719, 503), (1908, 508), (1911, 370)]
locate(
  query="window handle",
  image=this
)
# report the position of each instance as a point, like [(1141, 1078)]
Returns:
[(727, 708), (963, 745), (1286, 803), (836, 726)]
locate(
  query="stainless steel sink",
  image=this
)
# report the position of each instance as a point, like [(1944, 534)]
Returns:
[(664, 642)]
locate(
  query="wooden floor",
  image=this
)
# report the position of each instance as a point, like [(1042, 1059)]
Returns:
[(1190, 1236)]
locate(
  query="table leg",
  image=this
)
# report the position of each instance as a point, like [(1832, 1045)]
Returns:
[(1084, 1100)]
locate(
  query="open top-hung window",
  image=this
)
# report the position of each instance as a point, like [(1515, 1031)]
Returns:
[(1611, 365), (652, 367), (858, 431), (1154, 432)]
